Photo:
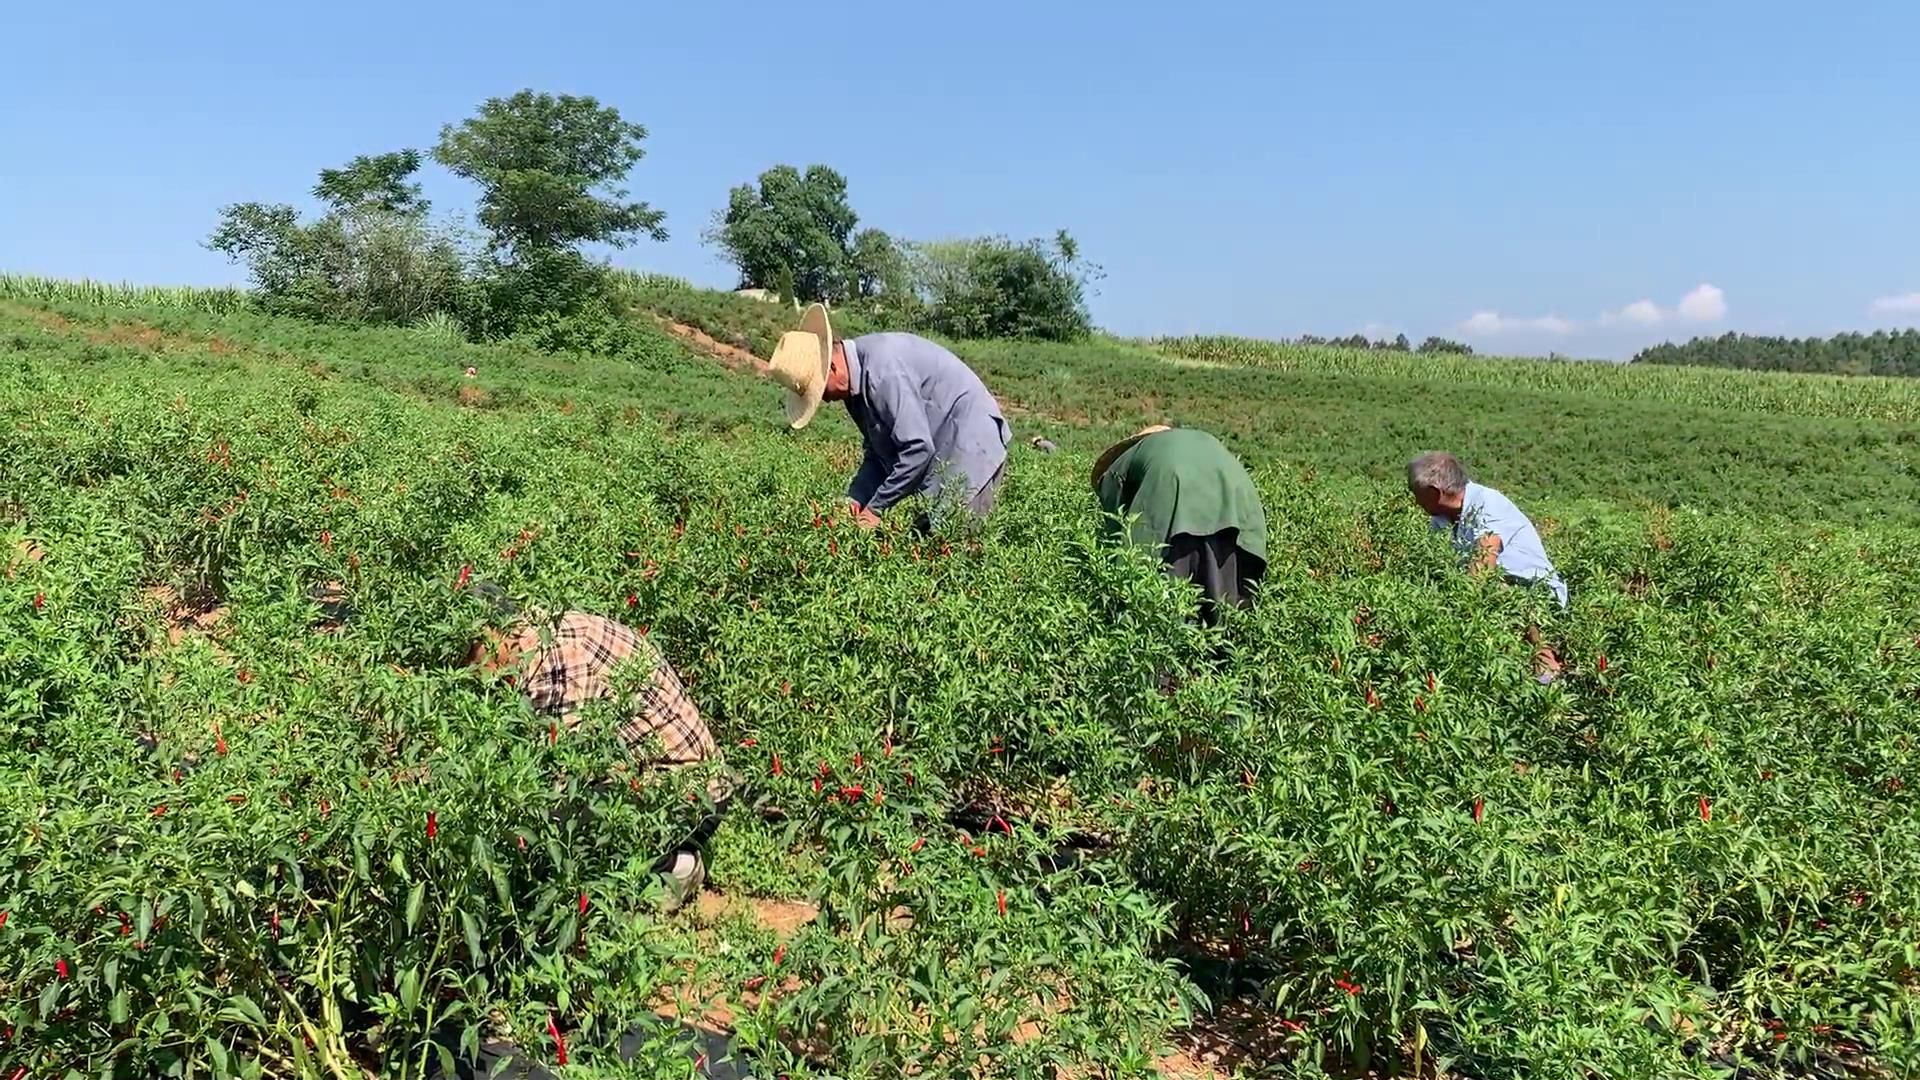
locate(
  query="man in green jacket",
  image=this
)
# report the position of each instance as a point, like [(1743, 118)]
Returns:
[(1183, 494)]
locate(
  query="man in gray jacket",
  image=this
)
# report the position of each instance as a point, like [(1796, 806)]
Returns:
[(929, 424)]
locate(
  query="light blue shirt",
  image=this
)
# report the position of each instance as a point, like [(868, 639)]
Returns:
[(927, 420), (1486, 512)]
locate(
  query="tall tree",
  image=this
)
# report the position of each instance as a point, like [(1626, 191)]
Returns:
[(550, 169), (796, 222), (374, 182)]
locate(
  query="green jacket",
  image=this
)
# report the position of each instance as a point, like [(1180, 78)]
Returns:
[(1183, 481)]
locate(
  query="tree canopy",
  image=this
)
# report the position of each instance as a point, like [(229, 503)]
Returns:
[(550, 169), (1883, 352)]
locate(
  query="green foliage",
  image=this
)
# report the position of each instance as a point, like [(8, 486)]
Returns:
[(372, 257), (1697, 855), (1883, 352), (214, 299), (993, 287), (790, 225), (377, 182), (550, 169), (1442, 346)]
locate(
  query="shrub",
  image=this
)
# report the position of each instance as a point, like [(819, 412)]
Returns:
[(993, 287)]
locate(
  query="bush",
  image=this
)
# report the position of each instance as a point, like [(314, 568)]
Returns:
[(363, 265), (993, 287)]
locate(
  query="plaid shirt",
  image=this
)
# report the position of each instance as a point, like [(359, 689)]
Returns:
[(574, 662)]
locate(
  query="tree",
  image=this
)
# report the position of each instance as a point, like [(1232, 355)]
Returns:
[(1441, 346), (549, 169), (374, 182), (994, 287), (372, 257), (797, 222)]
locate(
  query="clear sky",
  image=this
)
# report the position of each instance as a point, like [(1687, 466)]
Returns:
[(1529, 176)]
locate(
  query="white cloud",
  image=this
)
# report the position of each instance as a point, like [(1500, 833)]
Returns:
[(1644, 312), (1704, 304), (1905, 304), (1489, 323)]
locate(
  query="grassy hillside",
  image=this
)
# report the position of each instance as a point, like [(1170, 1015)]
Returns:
[(260, 849), (1802, 447)]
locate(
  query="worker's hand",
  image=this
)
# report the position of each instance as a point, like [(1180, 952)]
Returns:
[(864, 517)]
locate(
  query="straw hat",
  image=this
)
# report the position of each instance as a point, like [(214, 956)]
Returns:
[(800, 364), (1106, 459)]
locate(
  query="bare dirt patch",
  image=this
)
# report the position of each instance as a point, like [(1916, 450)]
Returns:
[(182, 618), (734, 356)]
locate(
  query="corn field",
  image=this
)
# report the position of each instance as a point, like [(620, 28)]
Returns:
[(214, 300)]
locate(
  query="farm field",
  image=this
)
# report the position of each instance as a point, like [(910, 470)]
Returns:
[(1364, 842)]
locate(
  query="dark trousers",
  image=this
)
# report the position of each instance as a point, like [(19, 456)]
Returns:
[(1225, 574), (978, 505)]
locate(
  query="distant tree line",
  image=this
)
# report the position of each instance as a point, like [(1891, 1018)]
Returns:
[(793, 233), (550, 170), (1431, 346), (1883, 352)]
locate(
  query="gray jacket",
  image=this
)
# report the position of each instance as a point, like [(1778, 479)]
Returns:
[(927, 420)]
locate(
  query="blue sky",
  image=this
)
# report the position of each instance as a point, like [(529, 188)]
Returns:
[(1529, 176)]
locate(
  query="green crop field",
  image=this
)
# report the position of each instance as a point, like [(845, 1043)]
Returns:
[(1365, 842)]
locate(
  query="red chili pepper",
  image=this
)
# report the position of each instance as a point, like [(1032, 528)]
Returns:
[(776, 765), (1004, 827), (1352, 989), (887, 746), (749, 742), (466, 573), (1293, 1025), (644, 629), (1373, 699), (633, 599), (273, 918), (1479, 810), (779, 954), (918, 843), (60, 966), (1603, 663), (559, 1042), (243, 675), (553, 732), (817, 785), (126, 925), (583, 903), (160, 811), (3, 919), (858, 763), (833, 547), (1706, 809), (219, 740), (1246, 778), (825, 769), (326, 539), (1246, 922), (433, 824), (852, 792), (1431, 682), (1001, 899), (39, 601), (786, 688), (523, 842), (1419, 703), (326, 808), (979, 852)]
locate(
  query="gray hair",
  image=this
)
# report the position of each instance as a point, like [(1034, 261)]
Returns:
[(1438, 471)]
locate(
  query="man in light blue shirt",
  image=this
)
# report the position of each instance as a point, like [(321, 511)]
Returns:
[(1489, 532), (927, 421)]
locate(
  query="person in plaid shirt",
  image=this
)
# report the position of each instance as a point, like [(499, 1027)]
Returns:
[(563, 664)]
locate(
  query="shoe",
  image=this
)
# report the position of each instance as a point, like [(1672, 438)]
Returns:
[(684, 878)]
